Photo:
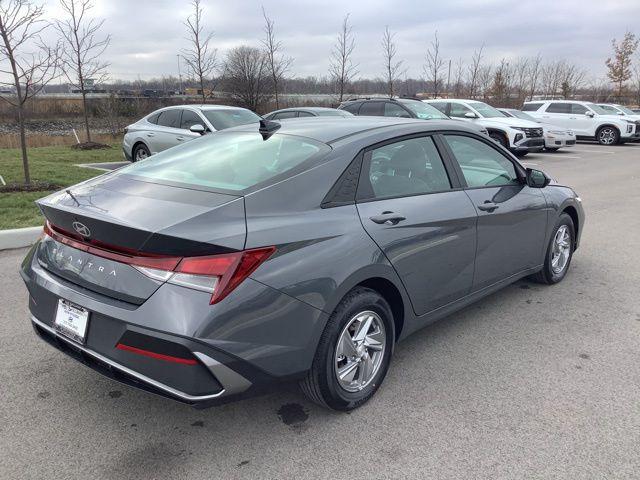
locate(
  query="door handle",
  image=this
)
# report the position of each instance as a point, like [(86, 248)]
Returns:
[(387, 218), (150, 134), (488, 206), (180, 139)]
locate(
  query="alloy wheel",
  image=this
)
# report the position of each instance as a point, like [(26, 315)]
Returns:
[(360, 350), (607, 136), (561, 250), (141, 154)]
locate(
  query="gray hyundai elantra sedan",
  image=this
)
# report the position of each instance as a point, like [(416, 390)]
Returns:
[(303, 251)]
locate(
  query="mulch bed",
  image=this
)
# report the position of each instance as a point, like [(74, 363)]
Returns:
[(32, 187), (90, 146)]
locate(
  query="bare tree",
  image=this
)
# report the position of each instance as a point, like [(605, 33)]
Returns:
[(501, 86), (474, 70), (392, 68), (277, 63), (246, 76), (434, 65), (459, 85), (341, 68), (571, 78), (25, 59), (620, 65), (534, 74), (521, 79), (200, 56), (636, 84), (82, 47), (484, 78)]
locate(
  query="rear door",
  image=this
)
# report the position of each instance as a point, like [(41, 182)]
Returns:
[(512, 217), (168, 130), (409, 205), (557, 113)]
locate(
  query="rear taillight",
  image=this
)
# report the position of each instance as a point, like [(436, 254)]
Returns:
[(216, 274)]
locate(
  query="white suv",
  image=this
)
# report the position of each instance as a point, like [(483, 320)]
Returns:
[(519, 136), (587, 120)]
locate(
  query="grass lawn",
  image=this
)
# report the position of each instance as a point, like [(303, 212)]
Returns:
[(47, 164)]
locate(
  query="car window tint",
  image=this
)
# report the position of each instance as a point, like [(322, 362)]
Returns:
[(481, 164), (305, 114), (395, 110), (557, 107), (352, 107), (371, 109), (442, 106), (189, 119), (170, 118), (153, 118), (578, 109), (283, 115), (531, 107), (230, 117), (408, 167), (458, 110)]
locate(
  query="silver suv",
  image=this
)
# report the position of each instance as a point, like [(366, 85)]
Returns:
[(172, 126)]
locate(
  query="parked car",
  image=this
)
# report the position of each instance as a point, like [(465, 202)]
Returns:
[(587, 120), (171, 126), (554, 137), (621, 110), (636, 110), (517, 135), (391, 107), (303, 112), (301, 250)]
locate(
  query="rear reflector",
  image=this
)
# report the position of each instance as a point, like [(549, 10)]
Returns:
[(217, 274), (157, 356)]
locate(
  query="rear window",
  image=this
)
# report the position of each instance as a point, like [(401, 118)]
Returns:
[(228, 161), (221, 119)]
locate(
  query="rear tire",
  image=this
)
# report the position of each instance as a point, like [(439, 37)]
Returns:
[(520, 154), (552, 149), (559, 252), (362, 364), (140, 152), (608, 135)]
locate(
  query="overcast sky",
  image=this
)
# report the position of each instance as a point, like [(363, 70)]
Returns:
[(148, 34)]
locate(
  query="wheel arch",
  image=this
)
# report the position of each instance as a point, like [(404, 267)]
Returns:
[(392, 295), (500, 132), (573, 213), (605, 125)]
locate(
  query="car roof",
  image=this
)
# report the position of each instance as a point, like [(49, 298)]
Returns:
[(205, 106), (308, 109), (557, 101), (331, 129)]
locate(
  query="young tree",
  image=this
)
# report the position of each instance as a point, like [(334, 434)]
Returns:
[(277, 63), (341, 68), (246, 76), (434, 65), (459, 85), (620, 65), (391, 66), (25, 59), (534, 75), (501, 85), (474, 70), (200, 56), (82, 47), (636, 83)]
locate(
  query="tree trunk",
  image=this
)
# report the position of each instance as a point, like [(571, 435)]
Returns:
[(204, 97), (23, 145), (86, 115)]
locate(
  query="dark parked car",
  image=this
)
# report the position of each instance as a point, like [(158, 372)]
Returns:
[(304, 112), (301, 251), (392, 107)]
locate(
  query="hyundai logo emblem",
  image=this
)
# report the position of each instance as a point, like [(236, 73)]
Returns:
[(82, 229)]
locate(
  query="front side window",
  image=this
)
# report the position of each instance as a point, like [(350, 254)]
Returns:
[(189, 119), (424, 110), (481, 165), (578, 109), (230, 117), (486, 111), (394, 110), (407, 167), (371, 109), (352, 108), (440, 106), (458, 110), (559, 107), (227, 161)]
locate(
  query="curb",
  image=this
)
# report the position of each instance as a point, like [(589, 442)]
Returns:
[(19, 237)]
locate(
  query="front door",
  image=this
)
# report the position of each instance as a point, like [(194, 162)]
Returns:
[(512, 217), (426, 229)]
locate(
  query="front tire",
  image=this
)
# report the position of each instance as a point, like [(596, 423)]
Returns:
[(354, 352), (559, 252), (608, 136)]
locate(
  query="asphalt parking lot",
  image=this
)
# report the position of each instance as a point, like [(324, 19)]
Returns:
[(532, 382)]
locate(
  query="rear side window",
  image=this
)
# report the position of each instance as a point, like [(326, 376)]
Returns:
[(283, 115), (395, 110), (352, 107), (531, 107), (442, 106), (557, 107), (189, 119), (481, 165), (170, 118), (371, 109), (407, 167), (305, 114), (153, 118), (231, 161)]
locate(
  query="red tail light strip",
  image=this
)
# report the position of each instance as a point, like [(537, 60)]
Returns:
[(230, 268), (157, 356)]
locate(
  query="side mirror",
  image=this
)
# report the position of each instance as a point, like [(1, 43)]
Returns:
[(537, 178), (197, 128), (470, 115), (589, 114)]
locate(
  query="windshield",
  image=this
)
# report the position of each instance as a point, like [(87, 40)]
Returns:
[(522, 115), (486, 111), (598, 109), (610, 109), (627, 111), (228, 161), (424, 110), (232, 117)]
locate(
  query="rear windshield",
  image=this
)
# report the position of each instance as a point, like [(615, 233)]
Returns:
[(227, 118), (231, 161)]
